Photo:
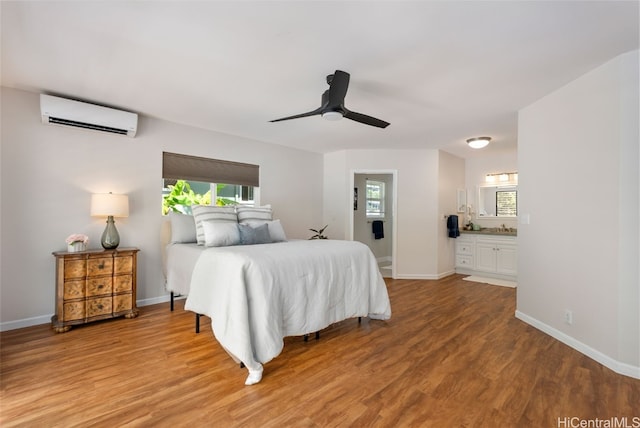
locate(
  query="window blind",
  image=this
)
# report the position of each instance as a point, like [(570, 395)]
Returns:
[(193, 168)]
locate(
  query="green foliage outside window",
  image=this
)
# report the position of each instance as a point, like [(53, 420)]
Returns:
[(181, 197)]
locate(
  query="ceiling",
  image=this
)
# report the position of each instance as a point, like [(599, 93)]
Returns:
[(439, 71)]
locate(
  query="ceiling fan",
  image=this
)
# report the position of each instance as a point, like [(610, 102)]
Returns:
[(332, 107)]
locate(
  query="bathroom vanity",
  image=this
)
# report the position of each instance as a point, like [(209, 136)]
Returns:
[(488, 252)]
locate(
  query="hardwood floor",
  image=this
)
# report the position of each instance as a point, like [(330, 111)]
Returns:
[(451, 355)]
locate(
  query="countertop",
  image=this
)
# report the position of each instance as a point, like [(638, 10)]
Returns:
[(492, 231)]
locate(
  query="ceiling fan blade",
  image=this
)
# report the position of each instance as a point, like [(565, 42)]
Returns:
[(363, 118), (297, 116), (338, 88)]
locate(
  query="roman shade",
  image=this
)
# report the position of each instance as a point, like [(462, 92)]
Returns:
[(193, 168)]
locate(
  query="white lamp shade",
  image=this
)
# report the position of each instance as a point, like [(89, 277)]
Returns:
[(106, 204)]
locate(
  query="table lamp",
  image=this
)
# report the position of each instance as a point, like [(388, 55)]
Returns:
[(110, 205)]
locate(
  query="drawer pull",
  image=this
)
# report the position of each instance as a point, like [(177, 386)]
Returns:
[(101, 266)]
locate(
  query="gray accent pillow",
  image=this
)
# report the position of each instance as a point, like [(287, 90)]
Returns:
[(254, 235)]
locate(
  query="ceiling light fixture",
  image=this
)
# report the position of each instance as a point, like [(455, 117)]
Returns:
[(332, 115), (478, 142)]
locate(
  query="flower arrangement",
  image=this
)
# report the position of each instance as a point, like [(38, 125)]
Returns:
[(76, 242)]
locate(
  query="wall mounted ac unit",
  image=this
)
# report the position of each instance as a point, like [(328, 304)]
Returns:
[(61, 111)]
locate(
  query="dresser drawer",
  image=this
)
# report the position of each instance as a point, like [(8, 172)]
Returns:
[(101, 266), (74, 289), (122, 302), (123, 265), (73, 311), (122, 283), (99, 286), (75, 268), (99, 306)]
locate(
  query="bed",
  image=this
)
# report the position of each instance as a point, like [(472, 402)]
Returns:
[(256, 295)]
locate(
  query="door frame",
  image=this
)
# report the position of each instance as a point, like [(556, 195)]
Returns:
[(394, 209)]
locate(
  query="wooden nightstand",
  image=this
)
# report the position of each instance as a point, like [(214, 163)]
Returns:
[(94, 285)]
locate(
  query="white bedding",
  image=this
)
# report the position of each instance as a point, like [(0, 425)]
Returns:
[(181, 259), (256, 295)]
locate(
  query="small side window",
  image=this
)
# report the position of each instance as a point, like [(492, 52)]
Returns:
[(375, 199)]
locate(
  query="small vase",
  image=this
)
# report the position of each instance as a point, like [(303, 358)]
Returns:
[(76, 247)]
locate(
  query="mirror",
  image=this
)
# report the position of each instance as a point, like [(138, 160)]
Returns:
[(462, 200), (498, 201)]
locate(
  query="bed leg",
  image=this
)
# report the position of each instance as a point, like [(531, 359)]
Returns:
[(172, 301), (317, 335), (359, 320), (306, 337), (197, 323)]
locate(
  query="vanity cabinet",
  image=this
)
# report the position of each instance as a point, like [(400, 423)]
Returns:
[(496, 255), (465, 252), (483, 254)]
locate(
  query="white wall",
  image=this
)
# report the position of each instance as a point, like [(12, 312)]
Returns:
[(418, 216), (580, 251), (451, 177), (48, 174), (476, 171)]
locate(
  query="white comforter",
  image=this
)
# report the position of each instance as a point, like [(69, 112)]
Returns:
[(256, 295)]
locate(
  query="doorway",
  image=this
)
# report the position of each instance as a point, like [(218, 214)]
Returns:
[(373, 219)]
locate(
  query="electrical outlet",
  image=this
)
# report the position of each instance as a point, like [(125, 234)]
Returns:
[(568, 317)]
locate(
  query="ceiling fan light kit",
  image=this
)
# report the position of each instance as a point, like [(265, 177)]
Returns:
[(332, 104), (332, 115), (478, 142)]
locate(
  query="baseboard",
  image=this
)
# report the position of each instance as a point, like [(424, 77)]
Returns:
[(384, 259), (46, 319), (26, 322), (605, 360), (424, 276), (464, 271)]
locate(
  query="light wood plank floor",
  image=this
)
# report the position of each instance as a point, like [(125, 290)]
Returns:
[(452, 355)]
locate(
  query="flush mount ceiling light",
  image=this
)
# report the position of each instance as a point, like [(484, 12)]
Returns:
[(478, 142), (332, 115)]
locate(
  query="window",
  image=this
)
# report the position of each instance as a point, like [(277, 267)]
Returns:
[(190, 180), (375, 199), (179, 195)]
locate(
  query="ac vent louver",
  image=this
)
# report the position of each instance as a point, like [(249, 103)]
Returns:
[(65, 112), (58, 121)]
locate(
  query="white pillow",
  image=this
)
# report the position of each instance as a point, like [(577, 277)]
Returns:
[(254, 215), (220, 234), (202, 213), (276, 231), (183, 228)]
